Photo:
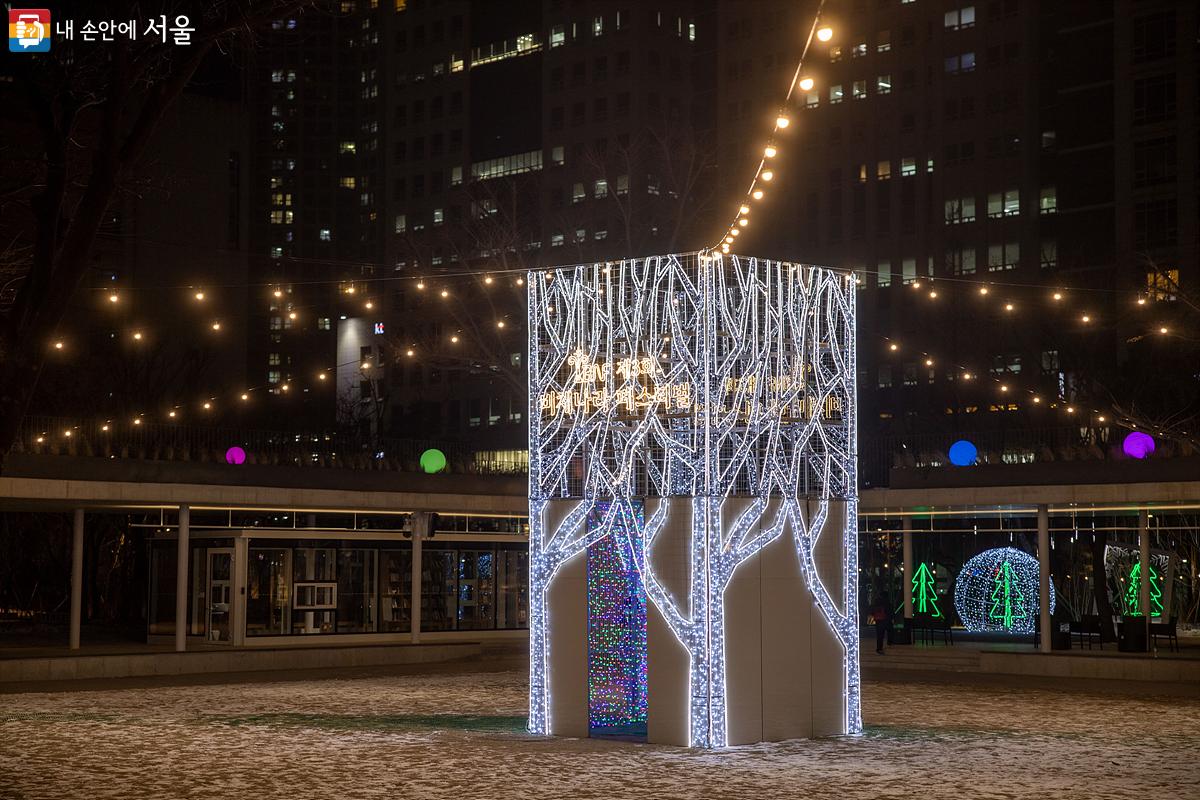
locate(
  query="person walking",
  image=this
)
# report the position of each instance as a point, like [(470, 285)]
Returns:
[(881, 616)]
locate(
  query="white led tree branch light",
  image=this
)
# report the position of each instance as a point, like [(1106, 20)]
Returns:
[(715, 383)]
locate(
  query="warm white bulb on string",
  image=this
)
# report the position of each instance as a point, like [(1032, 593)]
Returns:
[(350, 289), (445, 293), (1037, 399), (137, 421), (321, 376), (916, 284), (199, 295), (420, 284), (245, 396), (743, 222), (454, 339), (369, 305), (1003, 388), (929, 362), (729, 239), (806, 84), (757, 194), (104, 427), (171, 414), (284, 388), (769, 151), (893, 347), (1163, 329), (216, 326), (409, 353), (966, 376), (67, 433), (1100, 418), (487, 279), (1070, 409), (367, 364), (735, 232), (782, 122), (137, 336), (825, 33), (114, 297), (1086, 318), (1141, 301), (500, 324), (767, 175), (208, 406), (520, 281), (933, 294), (292, 315), (278, 292), (724, 248), (1058, 295), (983, 290), (743, 209), (1009, 306)]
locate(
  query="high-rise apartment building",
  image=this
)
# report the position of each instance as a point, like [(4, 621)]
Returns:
[(1015, 182), (410, 149)]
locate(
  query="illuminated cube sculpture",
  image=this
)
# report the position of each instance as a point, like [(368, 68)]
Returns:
[(692, 448)]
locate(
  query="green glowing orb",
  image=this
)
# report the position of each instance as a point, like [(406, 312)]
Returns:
[(433, 460)]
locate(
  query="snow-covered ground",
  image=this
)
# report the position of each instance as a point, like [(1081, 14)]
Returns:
[(461, 736)]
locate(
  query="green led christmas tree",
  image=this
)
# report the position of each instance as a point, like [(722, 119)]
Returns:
[(1008, 602), (1133, 596), (924, 592)]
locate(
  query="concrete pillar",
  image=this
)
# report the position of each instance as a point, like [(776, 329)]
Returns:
[(906, 580), (1144, 572), (237, 617), (1043, 546), (420, 525), (181, 578), (76, 579)]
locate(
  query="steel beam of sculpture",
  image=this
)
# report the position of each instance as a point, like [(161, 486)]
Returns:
[(699, 376)]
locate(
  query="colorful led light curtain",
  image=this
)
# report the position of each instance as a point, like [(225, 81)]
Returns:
[(616, 623)]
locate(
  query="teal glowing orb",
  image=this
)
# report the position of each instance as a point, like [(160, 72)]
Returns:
[(433, 460)]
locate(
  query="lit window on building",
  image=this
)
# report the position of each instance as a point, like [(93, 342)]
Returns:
[(836, 94), (598, 26), (964, 62), (858, 50), (1048, 200), (1003, 256), (622, 185), (883, 274), (812, 99), (1162, 284), (347, 147), (883, 41), (558, 36), (324, 323), (439, 216), (883, 84), (556, 240), (578, 195), (507, 165), (273, 376), (908, 167), (860, 90), (456, 176), (883, 170), (1004, 204), (960, 18), (521, 45), (600, 189), (401, 223), (325, 235), (273, 359), (347, 182), (1049, 254)]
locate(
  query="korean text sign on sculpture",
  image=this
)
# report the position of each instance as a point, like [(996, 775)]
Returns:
[(714, 382)]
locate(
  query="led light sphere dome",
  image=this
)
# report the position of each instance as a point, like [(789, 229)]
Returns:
[(963, 453), (1138, 445), (433, 460), (998, 590), (235, 455)]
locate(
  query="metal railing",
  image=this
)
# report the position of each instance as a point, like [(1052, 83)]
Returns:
[(156, 441), (878, 456)]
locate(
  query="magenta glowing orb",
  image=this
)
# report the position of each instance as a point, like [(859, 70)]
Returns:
[(235, 455), (1138, 445)]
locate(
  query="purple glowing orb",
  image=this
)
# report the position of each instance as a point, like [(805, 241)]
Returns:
[(1138, 445), (235, 455)]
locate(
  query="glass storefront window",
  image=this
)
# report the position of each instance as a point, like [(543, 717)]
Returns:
[(439, 599), (476, 590), (395, 591), (512, 586), (268, 591), (356, 591), (161, 615), (314, 575)]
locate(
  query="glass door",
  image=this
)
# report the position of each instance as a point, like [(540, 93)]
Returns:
[(220, 594)]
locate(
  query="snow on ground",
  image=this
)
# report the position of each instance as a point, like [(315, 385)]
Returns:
[(461, 736)]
